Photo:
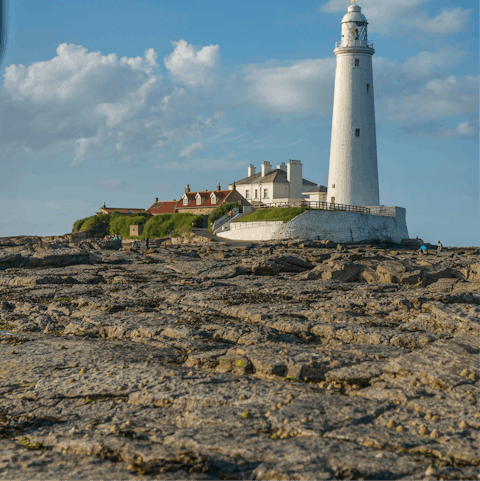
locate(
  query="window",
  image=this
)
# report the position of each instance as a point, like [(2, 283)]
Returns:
[(247, 194), (199, 200), (357, 132), (357, 62), (368, 88), (333, 186), (256, 194), (185, 201), (265, 193), (332, 200)]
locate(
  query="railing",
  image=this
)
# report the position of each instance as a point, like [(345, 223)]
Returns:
[(225, 218), (354, 43), (259, 223), (227, 225), (380, 210)]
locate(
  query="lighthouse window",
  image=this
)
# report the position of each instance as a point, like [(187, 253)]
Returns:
[(368, 88), (357, 62), (357, 132)]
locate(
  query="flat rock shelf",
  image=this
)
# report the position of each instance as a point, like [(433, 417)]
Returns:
[(278, 360)]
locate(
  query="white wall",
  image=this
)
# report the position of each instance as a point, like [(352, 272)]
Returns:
[(345, 226), (326, 225), (251, 231), (294, 177)]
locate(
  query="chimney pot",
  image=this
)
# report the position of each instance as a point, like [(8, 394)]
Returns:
[(187, 189), (218, 186)]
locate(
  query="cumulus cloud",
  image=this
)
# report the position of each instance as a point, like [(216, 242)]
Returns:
[(194, 67), (86, 102), (463, 129), (305, 86), (437, 99), (191, 149), (401, 16)]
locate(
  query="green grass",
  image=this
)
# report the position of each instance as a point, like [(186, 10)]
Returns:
[(162, 225), (273, 213), (177, 225)]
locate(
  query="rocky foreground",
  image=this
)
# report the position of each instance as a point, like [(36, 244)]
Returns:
[(292, 360)]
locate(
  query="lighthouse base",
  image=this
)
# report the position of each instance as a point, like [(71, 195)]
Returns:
[(385, 224), (347, 226)]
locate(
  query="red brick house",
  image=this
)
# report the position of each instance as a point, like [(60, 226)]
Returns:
[(204, 202)]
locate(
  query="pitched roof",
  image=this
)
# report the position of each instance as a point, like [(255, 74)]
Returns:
[(167, 207), (122, 210), (278, 176), (319, 188), (221, 195)]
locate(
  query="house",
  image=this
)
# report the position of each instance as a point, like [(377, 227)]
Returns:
[(122, 210), (283, 184), (205, 202), (317, 194), (164, 207)]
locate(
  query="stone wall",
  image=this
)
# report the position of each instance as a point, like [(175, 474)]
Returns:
[(346, 226)]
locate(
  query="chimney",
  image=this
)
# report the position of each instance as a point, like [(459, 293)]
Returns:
[(187, 189), (266, 168), (282, 166), (156, 199), (294, 177), (218, 187), (234, 186), (104, 206), (251, 170)]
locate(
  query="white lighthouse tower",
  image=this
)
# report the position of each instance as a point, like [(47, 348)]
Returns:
[(353, 171)]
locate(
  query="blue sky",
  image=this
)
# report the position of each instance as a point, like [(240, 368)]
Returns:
[(123, 101)]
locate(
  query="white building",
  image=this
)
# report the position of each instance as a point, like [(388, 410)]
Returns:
[(353, 171), (283, 184)]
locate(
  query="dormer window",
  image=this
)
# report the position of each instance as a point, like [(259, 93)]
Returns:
[(213, 198), (185, 200), (198, 199)]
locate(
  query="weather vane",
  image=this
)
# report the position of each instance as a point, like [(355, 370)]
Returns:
[(353, 1)]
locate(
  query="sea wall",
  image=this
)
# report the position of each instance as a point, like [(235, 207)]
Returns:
[(337, 226)]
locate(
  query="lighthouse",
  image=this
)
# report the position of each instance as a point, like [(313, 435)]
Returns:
[(353, 170)]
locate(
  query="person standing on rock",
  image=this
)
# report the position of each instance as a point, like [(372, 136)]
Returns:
[(146, 242), (440, 248)]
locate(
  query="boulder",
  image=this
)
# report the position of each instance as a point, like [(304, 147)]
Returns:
[(265, 268)]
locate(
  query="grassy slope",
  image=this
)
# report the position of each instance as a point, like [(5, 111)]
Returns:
[(274, 213), (158, 226)]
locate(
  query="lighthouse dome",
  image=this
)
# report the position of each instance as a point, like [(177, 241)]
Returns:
[(354, 15)]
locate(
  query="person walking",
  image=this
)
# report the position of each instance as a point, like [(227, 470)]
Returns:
[(230, 214), (440, 248), (134, 244), (146, 242)]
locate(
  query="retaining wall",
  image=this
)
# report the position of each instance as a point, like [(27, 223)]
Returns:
[(337, 226), (251, 231), (341, 226)]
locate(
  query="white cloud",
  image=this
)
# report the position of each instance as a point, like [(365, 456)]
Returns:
[(305, 86), (463, 129), (88, 102), (402, 16), (191, 149), (192, 66), (437, 99)]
